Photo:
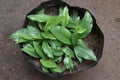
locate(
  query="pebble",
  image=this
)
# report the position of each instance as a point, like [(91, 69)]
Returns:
[(3, 68), (13, 70)]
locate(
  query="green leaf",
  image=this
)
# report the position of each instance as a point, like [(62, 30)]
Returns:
[(26, 34), (17, 39), (34, 32), (74, 20), (85, 25), (61, 11), (44, 69), (39, 17), (39, 51), (53, 22), (68, 63), (55, 44), (62, 34), (30, 51), (82, 42), (57, 52), (48, 63), (48, 35), (21, 36), (75, 15), (74, 38), (40, 25), (84, 52), (47, 49), (57, 70), (23, 33), (58, 59), (42, 11), (68, 52), (64, 12)]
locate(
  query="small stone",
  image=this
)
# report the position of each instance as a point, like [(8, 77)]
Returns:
[(113, 29), (3, 68), (114, 36), (13, 70)]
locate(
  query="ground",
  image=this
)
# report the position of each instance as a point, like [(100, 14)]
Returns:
[(13, 65)]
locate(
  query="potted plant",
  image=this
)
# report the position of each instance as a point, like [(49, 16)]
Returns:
[(59, 39)]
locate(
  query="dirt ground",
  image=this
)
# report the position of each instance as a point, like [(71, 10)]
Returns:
[(12, 63)]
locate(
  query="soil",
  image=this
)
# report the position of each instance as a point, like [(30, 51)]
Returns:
[(12, 63)]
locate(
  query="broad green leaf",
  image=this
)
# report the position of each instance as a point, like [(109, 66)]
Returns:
[(68, 52), (74, 38), (53, 22), (17, 39), (82, 42), (48, 63), (57, 52), (21, 36), (48, 35), (58, 59), (68, 63), (38, 50), (26, 34), (39, 17), (85, 25), (57, 70), (42, 11), (84, 52), (55, 44), (64, 12), (23, 33), (47, 49), (62, 34), (44, 69), (34, 32), (40, 25), (30, 51)]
